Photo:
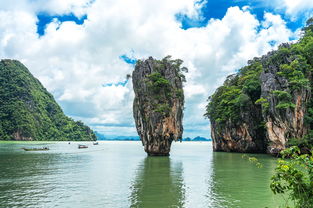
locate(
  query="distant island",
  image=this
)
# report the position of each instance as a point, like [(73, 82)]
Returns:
[(197, 139), (102, 137), (116, 138)]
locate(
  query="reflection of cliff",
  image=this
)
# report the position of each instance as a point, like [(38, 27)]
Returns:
[(239, 183), (158, 183)]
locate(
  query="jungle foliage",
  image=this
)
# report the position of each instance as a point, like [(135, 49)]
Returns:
[(238, 91), (29, 111)]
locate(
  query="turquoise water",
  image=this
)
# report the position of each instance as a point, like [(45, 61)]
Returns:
[(119, 174)]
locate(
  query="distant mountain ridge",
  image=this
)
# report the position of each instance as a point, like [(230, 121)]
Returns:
[(137, 138), (116, 138), (198, 139)]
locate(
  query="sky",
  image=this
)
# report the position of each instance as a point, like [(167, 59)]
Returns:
[(82, 50)]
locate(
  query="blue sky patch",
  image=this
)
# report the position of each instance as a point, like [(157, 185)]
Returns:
[(128, 60), (44, 19), (116, 84), (216, 9), (272, 42)]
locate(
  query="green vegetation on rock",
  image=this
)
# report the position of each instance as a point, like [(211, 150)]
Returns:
[(29, 112), (159, 103), (278, 84), (238, 92), (161, 87)]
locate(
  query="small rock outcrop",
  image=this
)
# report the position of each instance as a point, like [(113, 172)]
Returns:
[(158, 103)]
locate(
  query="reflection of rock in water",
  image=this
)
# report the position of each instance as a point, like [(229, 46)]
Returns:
[(239, 183), (158, 183)]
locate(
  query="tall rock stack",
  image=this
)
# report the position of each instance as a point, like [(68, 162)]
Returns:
[(159, 103)]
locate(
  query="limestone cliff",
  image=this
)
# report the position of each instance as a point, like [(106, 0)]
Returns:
[(158, 103), (240, 137), (267, 106), (284, 116), (237, 128)]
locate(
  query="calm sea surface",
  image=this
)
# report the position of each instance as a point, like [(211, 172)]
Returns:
[(119, 174)]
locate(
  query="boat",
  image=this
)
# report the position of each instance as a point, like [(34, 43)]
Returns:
[(81, 146), (36, 149), (95, 143)]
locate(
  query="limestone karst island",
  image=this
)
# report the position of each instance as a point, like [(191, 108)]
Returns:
[(156, 104)]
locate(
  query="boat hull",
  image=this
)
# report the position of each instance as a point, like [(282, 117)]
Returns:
[(35, 149)]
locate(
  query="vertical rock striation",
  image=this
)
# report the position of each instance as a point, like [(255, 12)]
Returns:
[(284, 116), (158, 103)]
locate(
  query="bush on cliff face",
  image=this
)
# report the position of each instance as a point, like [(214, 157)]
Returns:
[(157, 82), (285, 99), (29, 112)]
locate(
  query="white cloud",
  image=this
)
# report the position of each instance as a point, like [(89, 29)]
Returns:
[(294, 7), (75, 61)]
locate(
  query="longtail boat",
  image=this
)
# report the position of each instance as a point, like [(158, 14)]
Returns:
[(36, 149), (81, 146)]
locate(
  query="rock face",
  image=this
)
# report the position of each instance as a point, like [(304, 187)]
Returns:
[(240, 137), (282, 123), (158, 104), (235, 118)]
